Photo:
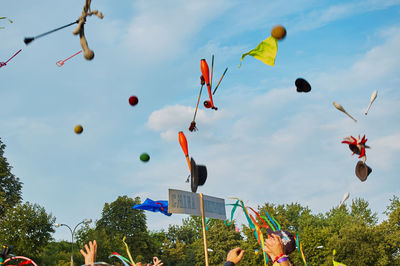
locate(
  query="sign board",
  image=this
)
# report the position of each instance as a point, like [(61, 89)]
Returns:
[(185, 202)]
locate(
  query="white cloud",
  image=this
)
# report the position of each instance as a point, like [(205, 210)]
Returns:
[(161, 31), (172, 119), (387, 150), (372, 67), (318, 18)]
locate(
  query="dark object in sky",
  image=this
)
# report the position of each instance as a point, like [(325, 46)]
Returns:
[(302, 85), (144, 157), (362, 171), (133, 100), (278, 32), (198, 175), (78, 129), (28, 40)]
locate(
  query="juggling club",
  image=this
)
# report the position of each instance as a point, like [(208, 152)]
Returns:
[(373, 97), (184, 146), (206, 72), (340, 108)]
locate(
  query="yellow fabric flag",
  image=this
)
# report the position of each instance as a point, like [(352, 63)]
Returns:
[(335, 263), (265, 51)]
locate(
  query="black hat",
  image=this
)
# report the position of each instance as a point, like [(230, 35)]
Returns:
[(289, 243), (302, 85), (198, 175), (362, 171)]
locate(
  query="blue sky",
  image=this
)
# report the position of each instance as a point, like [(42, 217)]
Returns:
[(266, 142)]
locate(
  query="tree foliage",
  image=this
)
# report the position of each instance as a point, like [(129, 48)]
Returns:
[(59, 254), (118, 220), (27, 227), (10, 185)]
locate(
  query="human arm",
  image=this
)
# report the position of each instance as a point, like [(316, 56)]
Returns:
[(234, 256), (91, 252)]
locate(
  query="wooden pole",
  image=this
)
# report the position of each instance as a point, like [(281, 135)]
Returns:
[(203, 219)]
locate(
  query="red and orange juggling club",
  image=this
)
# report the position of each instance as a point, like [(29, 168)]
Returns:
[(206, 74), (184, 145)]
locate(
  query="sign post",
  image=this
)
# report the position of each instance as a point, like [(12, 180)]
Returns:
[(197, 204), (203, 223)]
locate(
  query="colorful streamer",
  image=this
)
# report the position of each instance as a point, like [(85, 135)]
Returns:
[(335, 263), (269, 223), (205, 223), (300, 249), (279, 226), (269, 217), (260, 239), (252, 224), (127, 250), (262, 220), (124, 260)]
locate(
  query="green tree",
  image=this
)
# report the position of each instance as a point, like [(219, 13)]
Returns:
[(10, 186), (118, 220), (178, 246), (106, 243), (27, 228), (389, 232), (59, 253), (220, 239), (174, 253), (352, 230)]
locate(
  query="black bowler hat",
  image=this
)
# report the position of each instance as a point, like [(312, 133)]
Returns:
[(198, 175), (302, 85), (362, 171)]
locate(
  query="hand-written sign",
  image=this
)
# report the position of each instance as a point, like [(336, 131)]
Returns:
[(189, 203)]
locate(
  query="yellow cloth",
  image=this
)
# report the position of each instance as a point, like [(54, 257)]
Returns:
[(265, 51)]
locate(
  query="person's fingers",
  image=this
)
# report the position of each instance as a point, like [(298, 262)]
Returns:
[(236, 249), (82, 252), (267, 249), (91, 246), (269, 242), (277, 238), (241, 254), (95, 248), (87, 249)]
